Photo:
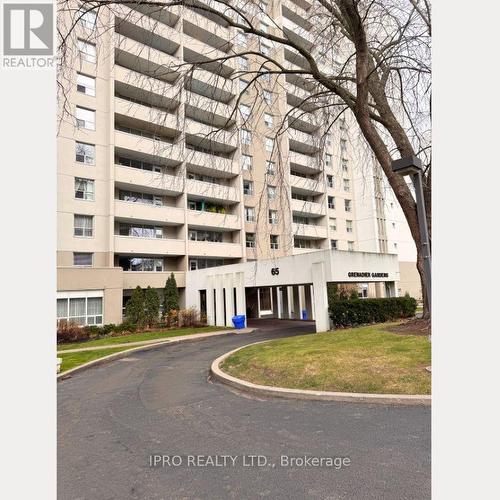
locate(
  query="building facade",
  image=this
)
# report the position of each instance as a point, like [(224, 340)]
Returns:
[(170, 159)]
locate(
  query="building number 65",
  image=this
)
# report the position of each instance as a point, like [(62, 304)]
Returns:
[(275, 271)]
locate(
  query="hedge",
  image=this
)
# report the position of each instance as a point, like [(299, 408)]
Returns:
[(355, 312)]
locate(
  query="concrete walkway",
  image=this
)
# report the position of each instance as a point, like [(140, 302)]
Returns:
[(168, 340)]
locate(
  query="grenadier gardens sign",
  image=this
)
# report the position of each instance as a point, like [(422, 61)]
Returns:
[(354, 274)]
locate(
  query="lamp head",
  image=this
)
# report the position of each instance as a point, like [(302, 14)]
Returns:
[(408, 165)]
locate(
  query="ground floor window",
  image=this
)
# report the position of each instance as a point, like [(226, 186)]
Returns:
[(83, 308), (265, 301)]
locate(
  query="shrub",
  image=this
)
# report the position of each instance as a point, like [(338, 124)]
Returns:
[(109, 328), (93, 330), (189, 317), (134, 310), (151, 306), (69, 331), (172, 318), (170, 296), (355, 312)]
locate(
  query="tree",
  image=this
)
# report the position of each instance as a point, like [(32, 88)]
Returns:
[(170, 296), (151, 306), (135, 308), (369, 59)]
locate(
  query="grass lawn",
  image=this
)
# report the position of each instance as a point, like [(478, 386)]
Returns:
[(73, 359), (366, 359), (137, 337)]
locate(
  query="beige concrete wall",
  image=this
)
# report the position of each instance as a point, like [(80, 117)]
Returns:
[(409, 280)]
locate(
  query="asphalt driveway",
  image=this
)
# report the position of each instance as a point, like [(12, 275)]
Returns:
[(115, 419)]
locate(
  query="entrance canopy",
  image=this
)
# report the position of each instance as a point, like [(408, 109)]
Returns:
[(224, 286)]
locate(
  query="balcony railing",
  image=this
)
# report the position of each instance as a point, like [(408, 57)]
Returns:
[(127, 210), (131, 245)]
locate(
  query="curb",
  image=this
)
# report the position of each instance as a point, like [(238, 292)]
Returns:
[(303, 394), (145, 347)]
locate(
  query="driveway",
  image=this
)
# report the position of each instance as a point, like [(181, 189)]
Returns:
[(112, 418)]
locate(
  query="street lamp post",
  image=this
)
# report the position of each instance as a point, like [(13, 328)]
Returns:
[(411, 165)]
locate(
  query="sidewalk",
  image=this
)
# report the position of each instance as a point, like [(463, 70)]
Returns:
[(168, 340)]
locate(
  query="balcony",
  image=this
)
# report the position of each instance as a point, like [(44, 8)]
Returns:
[(296, 33), (130, 245), (221, 222), (220, 114), (145, 145), (212, 86), (211, 249), (129, 22), (302, 142), (156, 183), (128, 78), (201, 28), (169, 122), (304, 163), (203, 134), (302, 120), (307, 186), (309, 231), (307, 208), (145, 59), (208, 163), (128, 211), (211, 192), (133, 279)]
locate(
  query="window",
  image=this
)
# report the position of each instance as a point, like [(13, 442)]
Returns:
[(204, 263), (245, 111), (246, 136), (243, 62), (249, 214), (265, 48), (343, 145), (345, 166), (241, 38), (271, 192), (250, 240), (328, 139), (298, 243), (85, 153), (395, 245), (329, 180), (269, 144), (297, 219), (87, 19), (142, 165), (81, 310), (84, 189), (347, 185), (85, 84), (333, 244), (135, 197), (266, 77), (328, 160), (348, 226), (266, 94), (265, 300), (270, 167), (263, 5), (86, 51), (350, 246), (202, 235), (264, 27), (342, 124), (83, 225), (247, 187), (85, 118), (274, 242), (82, 259), (138, 264), (331, 202), (273, 217), (333, 224), (394, 225), (140, 230), (246, 162), (268, 120), (348, 205)]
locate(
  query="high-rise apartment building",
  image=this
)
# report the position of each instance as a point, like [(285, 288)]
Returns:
[(168, 167)]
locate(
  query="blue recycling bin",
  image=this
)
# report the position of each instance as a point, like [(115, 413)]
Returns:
[(239, 321), (304, 314)]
